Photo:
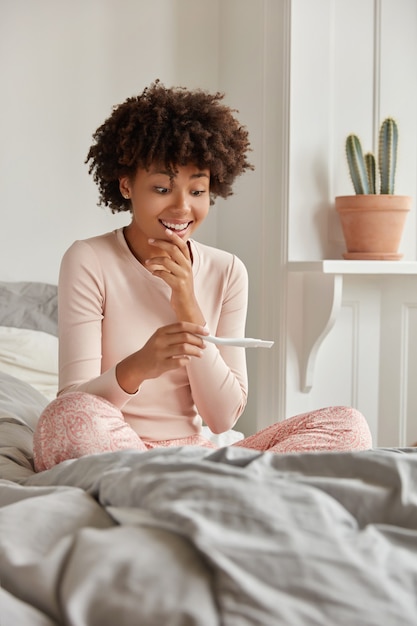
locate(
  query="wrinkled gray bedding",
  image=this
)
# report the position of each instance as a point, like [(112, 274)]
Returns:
[(189, 536), (192, 537)]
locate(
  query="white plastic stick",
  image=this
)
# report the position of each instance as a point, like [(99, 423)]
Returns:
[(244, 342)]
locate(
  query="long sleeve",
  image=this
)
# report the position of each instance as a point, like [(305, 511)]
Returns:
[(81, 296), (219, 379), (110, 305)]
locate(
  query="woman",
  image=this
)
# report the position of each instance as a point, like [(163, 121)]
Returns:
[(136, 303)]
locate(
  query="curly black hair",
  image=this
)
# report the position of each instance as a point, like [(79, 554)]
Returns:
[(172, 127)]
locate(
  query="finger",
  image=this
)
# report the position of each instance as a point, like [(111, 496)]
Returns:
[(174, 246), (187, 350), (180, 343), (162, 263), (185, 343), (176, 363), (180, 351), (184, 327), (156, 264)]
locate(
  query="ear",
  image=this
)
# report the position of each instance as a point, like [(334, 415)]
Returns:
[(124, 186)]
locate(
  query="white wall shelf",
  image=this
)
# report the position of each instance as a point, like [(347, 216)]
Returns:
[(340, 266), (322, 300)]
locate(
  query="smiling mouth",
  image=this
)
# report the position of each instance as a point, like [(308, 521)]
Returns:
[(178, 228)]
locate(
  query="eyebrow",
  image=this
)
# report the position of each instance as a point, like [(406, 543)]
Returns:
[(199, 175), (169, 174)]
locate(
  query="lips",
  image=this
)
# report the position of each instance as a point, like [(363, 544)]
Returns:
[(176, 227)]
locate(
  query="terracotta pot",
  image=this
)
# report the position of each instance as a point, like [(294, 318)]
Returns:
[(373, 224)]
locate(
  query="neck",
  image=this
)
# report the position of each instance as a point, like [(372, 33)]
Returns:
[(134, 249)]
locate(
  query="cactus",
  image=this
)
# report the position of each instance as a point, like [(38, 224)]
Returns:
[(387, 155), (356, 163), (371, 171), (363, 169)]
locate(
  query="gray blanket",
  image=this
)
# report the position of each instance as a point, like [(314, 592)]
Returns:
[(187, 536), (191, 537)]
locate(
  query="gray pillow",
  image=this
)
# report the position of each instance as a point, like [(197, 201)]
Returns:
[(31, 305), (20, 408)]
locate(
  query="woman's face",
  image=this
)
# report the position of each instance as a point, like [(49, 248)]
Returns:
[(161, 201)]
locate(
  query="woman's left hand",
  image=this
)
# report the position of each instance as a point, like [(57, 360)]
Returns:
[(174, 267)]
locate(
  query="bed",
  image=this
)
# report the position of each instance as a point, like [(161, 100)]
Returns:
[(190, 536)]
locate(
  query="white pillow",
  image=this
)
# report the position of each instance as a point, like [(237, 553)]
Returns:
[(31, 356)]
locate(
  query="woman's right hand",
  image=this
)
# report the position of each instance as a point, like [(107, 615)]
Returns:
[(169, 348)]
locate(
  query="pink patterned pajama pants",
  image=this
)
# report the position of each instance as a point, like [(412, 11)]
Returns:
[(76, 424)]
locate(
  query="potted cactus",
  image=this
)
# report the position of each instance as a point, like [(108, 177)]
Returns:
[(373, 222)]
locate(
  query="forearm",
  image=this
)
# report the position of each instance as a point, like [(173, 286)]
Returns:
[(219, 391), (105, 386), (128, 375)]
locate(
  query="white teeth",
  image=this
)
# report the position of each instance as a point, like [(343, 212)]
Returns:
[(175, 226)]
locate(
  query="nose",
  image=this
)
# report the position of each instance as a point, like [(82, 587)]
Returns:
[(181, 202)]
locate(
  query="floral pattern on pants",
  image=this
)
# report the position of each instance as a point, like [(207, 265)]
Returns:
[(77, 423)]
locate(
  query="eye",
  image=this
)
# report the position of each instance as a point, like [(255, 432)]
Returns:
[(161, 190), (198, 192)]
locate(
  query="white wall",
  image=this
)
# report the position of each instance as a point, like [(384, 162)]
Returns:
[(63, 65)]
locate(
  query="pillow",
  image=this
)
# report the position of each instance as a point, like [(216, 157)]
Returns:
[(28, 334), (32, 356), (20, 407), (29, 305)]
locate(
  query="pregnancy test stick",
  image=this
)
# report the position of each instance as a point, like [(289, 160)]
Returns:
[(244, 342)]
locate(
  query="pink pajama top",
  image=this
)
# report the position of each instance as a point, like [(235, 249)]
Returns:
[(109, 306)]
